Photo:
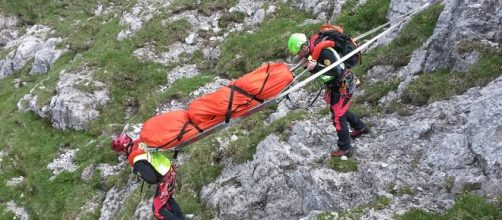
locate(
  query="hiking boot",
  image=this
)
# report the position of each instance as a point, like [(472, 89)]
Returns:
[(357, 133), (339, 152)]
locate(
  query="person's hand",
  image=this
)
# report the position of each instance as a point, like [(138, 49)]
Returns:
[(304, 62), (311, 65)]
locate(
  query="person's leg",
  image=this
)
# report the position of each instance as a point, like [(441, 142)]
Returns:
[(354, 121), (339, 107), (343, 134), (175, 208), (163, 210)]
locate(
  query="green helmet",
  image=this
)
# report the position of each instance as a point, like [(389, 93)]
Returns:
[(295, 42)]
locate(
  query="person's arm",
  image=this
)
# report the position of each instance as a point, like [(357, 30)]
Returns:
[(146, 171), (327, 58)]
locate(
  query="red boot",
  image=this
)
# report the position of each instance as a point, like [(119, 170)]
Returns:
[(339, 152), (357, 133)]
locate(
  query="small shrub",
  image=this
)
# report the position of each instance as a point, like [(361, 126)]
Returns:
[(227, 18), (398, 107), (343, 166), (375, 91), (357, 20), (449, 183), (469, 187), (404, 190), (328, 216), (162, 35), (362, 109), (380, 203)]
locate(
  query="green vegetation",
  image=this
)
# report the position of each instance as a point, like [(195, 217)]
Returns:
[(131, 203), (375, 91), (5, 214), (442, 84), (469, 187), (328, 216), (243, 52), (161, 35), (449, 183), (227, 18), (206, 7), (202, 168), (466, 207), (343, 166), (404, 190), (356, 20), (379, 203), (411, 37)]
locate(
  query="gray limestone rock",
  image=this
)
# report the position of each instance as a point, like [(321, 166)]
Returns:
[(115, 199), (34, 45), (77, 100), (458, 138), (460, 23), (8, 29)]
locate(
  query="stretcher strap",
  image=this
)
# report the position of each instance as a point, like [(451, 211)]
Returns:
[(182, 132), (233, 89)]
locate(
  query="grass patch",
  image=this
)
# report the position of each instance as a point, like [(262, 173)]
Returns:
[(469, 187), (442, 84), (327, 216), (31, 150), (356, 20), (243, 52), (399, 191), (449, 183), (244, 147), (160, 34), (398, 107), (206, 7), (343, 166), (363, 109), (227, 18), (466, 207), (6, 214), (375, 91), (202, 168), (378, 203)]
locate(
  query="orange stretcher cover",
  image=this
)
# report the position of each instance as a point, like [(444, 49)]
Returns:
[(263, 83), (167, 129), (267, 81), (212, 108)]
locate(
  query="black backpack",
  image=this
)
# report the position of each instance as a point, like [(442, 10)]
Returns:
[(344, 44)]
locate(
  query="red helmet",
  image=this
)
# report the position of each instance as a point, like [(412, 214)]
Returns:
[(121, 142)]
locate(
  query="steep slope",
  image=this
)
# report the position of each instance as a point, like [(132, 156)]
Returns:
[(73, 73)]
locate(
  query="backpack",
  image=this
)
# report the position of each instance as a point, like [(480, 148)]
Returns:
[(333, 36)]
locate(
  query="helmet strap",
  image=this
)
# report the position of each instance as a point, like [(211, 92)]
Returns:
[(128, 148)]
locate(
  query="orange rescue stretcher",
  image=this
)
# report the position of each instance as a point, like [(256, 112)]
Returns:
[(214, 111)]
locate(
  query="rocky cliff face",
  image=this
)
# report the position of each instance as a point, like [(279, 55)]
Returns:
[(460, 23), (458, 140), (434, 153)]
